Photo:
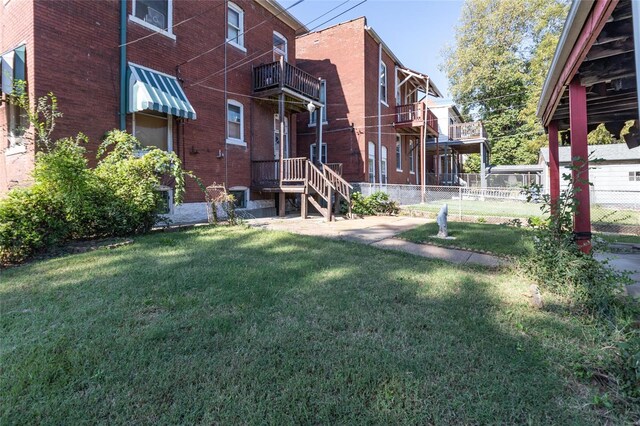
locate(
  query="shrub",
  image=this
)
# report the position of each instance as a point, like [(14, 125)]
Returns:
[(377, 203), (70, 200)]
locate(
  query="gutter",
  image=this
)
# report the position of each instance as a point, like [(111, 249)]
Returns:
[(123, 65)]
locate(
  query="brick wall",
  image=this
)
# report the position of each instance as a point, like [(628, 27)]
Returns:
[(346, 55), (78, 59)]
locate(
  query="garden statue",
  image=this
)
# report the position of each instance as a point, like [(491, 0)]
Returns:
[(442, 222)]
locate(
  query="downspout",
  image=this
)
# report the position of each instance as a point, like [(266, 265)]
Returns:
[(123, 64), (380, 112)]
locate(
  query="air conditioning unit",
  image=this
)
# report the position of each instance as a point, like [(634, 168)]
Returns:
[(156, 18)]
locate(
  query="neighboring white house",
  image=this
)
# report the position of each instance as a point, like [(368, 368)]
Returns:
[(614, 171), (456, 140)]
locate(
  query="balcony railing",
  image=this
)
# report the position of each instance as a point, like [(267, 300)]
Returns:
[(282, 74), (413, 114), (462, 131), (266, 173)]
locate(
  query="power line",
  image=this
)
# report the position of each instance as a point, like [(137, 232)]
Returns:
[(173, 26), (253, 56), (340, 14), (239, 34)]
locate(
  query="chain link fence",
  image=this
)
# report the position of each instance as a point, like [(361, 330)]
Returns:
[(611, 211)]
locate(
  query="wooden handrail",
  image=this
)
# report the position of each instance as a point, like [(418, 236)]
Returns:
[(318, 182), (294, 169)]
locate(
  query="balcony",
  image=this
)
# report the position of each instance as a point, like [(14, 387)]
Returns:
[(412, 115), (280, 76), (467, 131)]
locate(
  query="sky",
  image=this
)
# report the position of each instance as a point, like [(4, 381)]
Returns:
[(417, 31)]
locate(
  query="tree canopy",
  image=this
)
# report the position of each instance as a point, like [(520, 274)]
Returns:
[(496, 69)]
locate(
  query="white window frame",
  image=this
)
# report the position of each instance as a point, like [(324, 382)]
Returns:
[(634, 176), (15, 144), (167, 33), (276, 134), (371, 163), (278, 51), (323, 110), (398, 153), (323, 154), (412, 158), (240, 11), (384, 99), (246, 195), (384, 166), (234, 141), (169, 119), (169, 191)]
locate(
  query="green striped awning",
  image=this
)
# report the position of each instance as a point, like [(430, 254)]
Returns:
[(153, 90), (13, 68)]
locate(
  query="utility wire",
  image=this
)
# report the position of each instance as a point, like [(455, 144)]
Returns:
[(239, 34), (173, 26), (340, 14)]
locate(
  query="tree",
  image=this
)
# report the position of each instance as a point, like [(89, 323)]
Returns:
[(496, 70), (472, 164)]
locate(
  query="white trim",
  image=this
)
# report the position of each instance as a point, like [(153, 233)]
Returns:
[(371, 155), (285, 52), (412, 158), (323, 109), (234, 141), (398, 144), (15, 148), (240, 38), (312, 152), (384, 168), (168, 190), (386, 83), (167, 33), (246, 195)]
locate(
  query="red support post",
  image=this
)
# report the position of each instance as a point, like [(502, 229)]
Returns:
[(580, 163), (554, 165)]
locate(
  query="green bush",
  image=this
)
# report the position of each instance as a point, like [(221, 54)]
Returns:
[(377, 203), (69, 200)]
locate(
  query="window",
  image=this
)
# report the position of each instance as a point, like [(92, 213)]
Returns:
[(383, 83), (165, 206), (153, 129), (17, 123), (634, 176), (235, 27), (398, 153), (276, 137), (372, 163), (239, 197), (312, 153), (235, 123), (279, 46), (154, 14), (383, 166), (323, 99), (412, 163)]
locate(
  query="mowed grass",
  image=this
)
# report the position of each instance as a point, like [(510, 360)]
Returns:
[(496, 239), (230, 325)]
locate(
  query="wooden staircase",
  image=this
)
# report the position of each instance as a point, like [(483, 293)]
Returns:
[(321, 185), (324, 187)]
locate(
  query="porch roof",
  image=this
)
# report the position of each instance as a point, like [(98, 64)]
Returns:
[(597, 47)]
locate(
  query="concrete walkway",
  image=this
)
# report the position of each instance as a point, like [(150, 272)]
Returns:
[(629, 262), (377, 231)]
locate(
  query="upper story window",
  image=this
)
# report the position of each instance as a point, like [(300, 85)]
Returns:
[(383, 83), (235, 26), (634, 176), (313, 151), (154, 14), (323, 99), (279, 46), (235, 123)]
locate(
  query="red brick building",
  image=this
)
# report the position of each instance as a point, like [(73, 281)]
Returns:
[(188, 71), (375, 123)]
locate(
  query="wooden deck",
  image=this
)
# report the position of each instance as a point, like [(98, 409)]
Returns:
[(413, 116), (319, 185)]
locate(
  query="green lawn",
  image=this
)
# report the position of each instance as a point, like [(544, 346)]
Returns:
[(237, 326), (496, 239)]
